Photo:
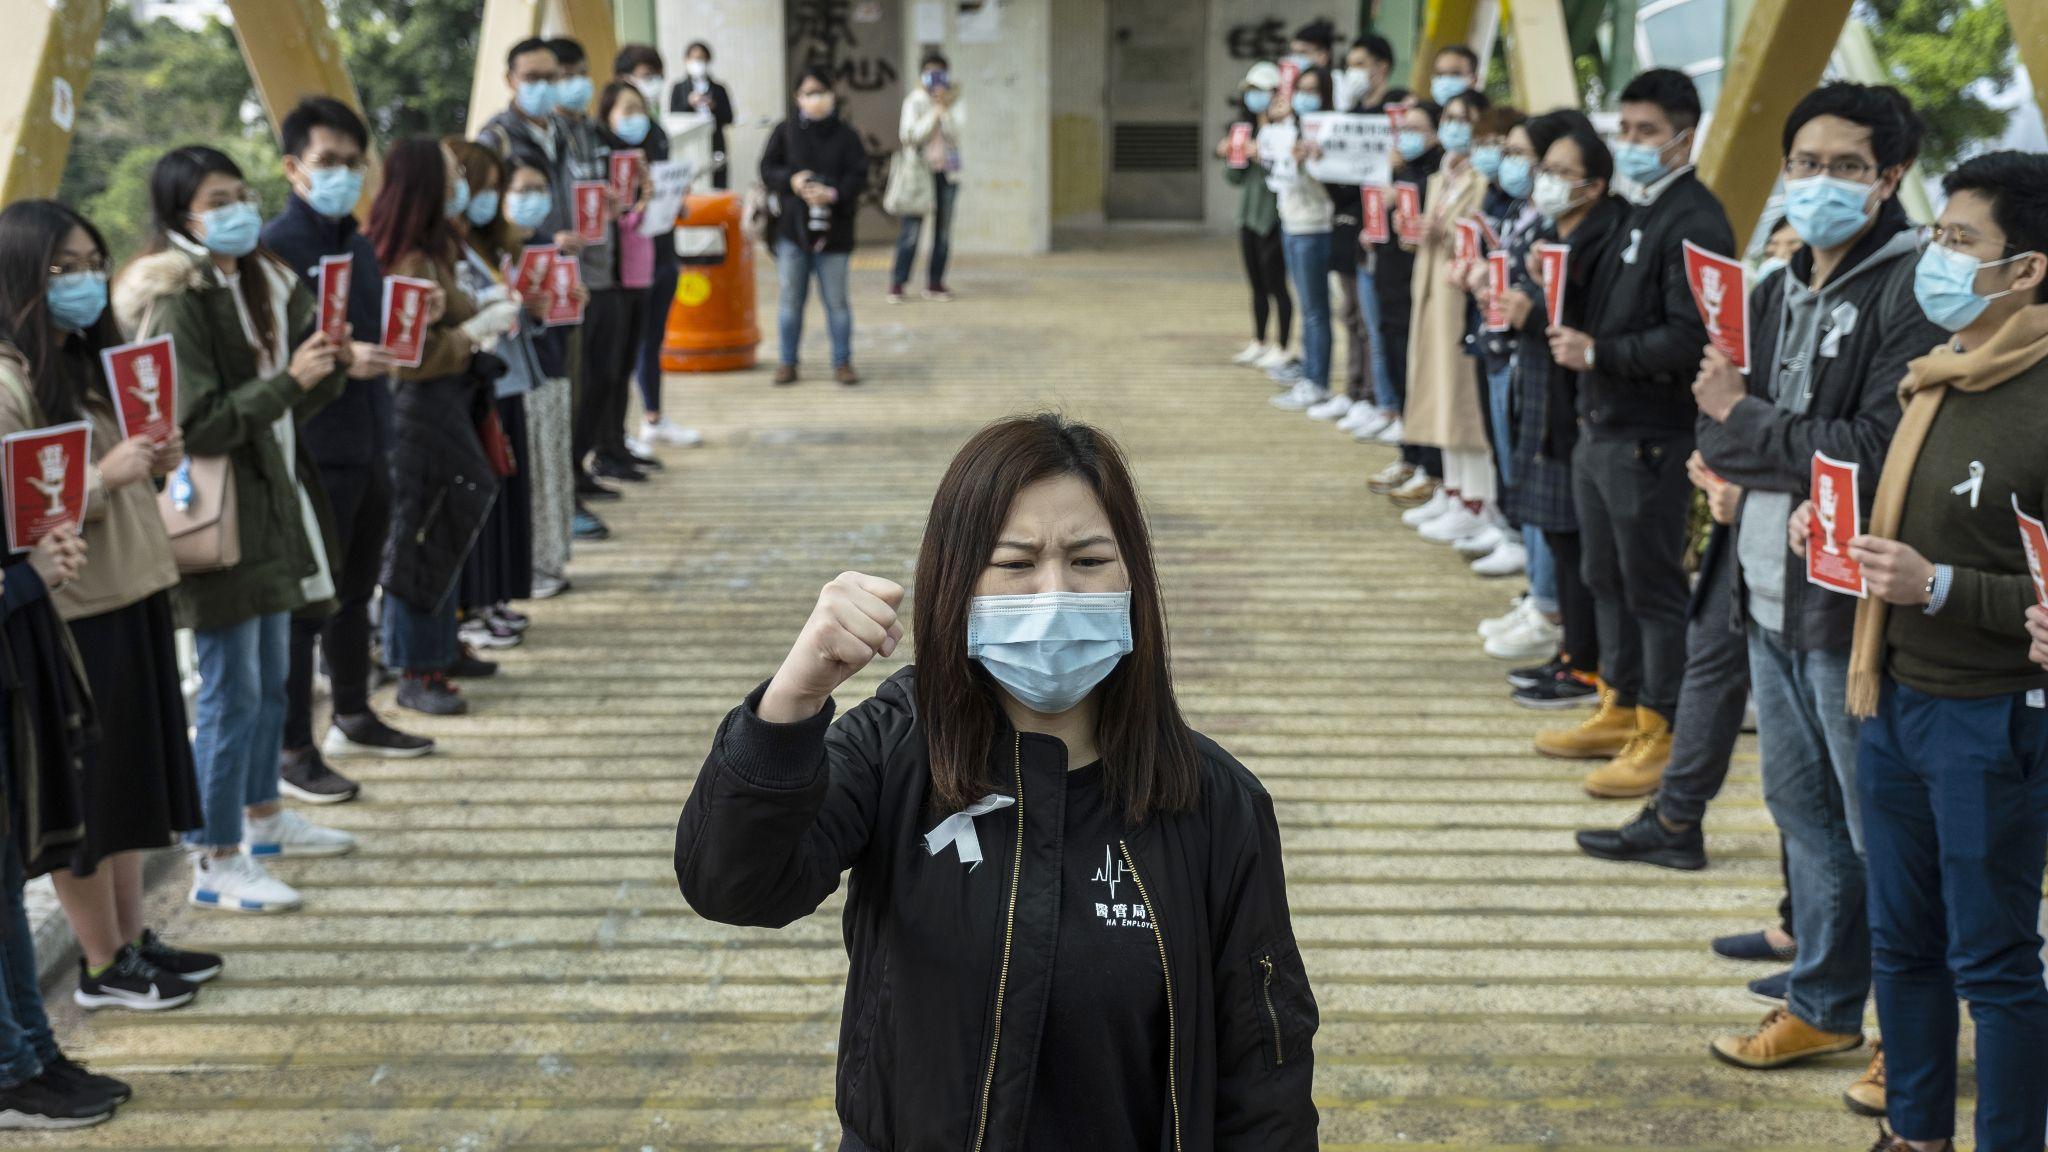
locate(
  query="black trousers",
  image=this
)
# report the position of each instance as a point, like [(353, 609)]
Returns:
[(1634, 503), (1265, 266), (1575, 605), (361, 499), (612, 327)]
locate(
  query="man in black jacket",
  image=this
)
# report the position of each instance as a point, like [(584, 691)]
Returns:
[(1637, 357), (325, 143)]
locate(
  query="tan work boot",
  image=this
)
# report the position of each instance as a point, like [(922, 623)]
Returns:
[(1866, 1096), (1640, 767), (1602, 736), (1783, 1039)]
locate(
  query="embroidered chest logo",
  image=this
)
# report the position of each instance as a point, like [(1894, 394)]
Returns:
[(1974, 486), (1113, 875)]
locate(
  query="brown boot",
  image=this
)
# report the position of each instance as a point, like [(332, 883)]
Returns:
[(1866, 1096), (1783, 1039), (1640, 767), (785, 373), (846, 375), (1602, 736)]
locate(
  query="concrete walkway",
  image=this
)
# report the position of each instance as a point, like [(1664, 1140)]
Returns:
[(507, 963)]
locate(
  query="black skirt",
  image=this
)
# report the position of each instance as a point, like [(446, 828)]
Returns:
[(138, 788), (500, 565)]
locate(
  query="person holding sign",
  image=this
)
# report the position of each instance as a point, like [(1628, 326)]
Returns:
[(1411, 480), (549, 406), (1306, 217), (1952, 759), (703, 96), (641, 64), (252, 366), (1259, 238), (1830, 338), (612, 335)]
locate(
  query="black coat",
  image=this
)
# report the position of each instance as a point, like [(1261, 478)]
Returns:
[(831, 151), (350, 432), (721, 115), (47, 720), (780, 810), (441, 483)]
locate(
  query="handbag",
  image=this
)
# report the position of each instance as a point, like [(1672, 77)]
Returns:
[(490, 431), (198, 507), (910, 191)]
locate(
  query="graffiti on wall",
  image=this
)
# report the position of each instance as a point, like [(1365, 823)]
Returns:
[(822, 35), (1264, 40)]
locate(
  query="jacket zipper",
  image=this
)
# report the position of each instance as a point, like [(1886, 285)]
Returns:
[(1172, 1027), (995, 1043), (1279, 1057)]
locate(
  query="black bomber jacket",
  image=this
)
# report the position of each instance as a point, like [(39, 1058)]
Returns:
[(950, 966)]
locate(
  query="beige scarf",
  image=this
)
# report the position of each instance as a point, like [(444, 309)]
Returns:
[(2014, 348)]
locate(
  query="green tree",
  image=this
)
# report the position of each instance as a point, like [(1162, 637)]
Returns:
[(412, 61), (1937, 51)]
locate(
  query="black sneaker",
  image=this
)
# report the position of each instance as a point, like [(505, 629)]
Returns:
[(1566, 689), (643, 463), (1772, 989), (1521, 678), (363, 734), (192, 967), (304, 776), (431, 694), (132, 982), (618, 470), (586, 526), (1645, 840), (587, 488), (468, 667), (41, 1104), (68, 1076), (517, 621)]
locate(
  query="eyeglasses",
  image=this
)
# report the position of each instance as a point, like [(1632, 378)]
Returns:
[(1955, 238), (1806, 167), (98, 266), (1560, 173)]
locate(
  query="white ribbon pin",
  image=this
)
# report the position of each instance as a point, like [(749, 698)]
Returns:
[(1974, 486), (958, 830)]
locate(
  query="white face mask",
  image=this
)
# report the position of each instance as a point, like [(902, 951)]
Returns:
[(651, 87), (1552, 195), (1352, 83), (698, 69)]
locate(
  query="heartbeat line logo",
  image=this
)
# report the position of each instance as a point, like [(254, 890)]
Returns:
[(1112, 871)]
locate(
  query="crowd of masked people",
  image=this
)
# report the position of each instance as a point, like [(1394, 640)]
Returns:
[(347, 489), (1657, 501)]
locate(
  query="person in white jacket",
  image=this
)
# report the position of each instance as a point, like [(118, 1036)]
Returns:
[(931, 124)]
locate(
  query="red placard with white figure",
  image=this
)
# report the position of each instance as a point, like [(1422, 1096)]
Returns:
[(2034, 540), (1497, 290), (1373, 199), (336, 276), (590, 209), (1241, 144), (564, 274), (43, 472), (1408, 212), (1289, 73), (1720, 286), (1836, 521), (144, 379), (1468, 241), (534, 262), (1486, 231), (627, 166), (1555, 261), (405, 319)]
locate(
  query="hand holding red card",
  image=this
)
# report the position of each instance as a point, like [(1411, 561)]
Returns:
[(534, 262), (43, 472), (1241, 144), (405, 319), (1408, 212), (1284, 95), (144, 380), (564, 274), (1554, 260), (336, 273), (1373, 199), (590, 210), (1720, 286), (627, 165), (2034, 539), (1497, 290), (1468, 241), (1836, 520)]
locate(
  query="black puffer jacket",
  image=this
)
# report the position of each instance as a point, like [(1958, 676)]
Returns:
[(949, 974), (442, 484)]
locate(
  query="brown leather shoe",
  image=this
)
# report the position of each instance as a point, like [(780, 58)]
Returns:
[(1893, 1142), (1602, 736), (1783, 1039), (846, 375), (785, 373), (1866, 1096), (1640, 767)]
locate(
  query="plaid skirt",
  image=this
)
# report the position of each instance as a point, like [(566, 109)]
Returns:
[(1542, 492)]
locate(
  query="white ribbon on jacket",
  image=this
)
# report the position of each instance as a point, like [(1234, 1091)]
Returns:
[(958, 830)]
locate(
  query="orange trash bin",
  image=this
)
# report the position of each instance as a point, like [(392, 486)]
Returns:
[(711, 326)]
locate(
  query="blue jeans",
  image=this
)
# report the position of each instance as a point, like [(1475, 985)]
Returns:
[(25, 1038), (794, 265), (1308, 267), (1384, 395), (416, 641), (1542, 568), (1807, 742), (240, 722), (1956, 795), (1500, 389), (944, 191)]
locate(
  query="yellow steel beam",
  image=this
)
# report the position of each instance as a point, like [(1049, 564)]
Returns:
[(40, 90), (292, 53), (1540, 55), (1444, 22), (1778, 59), (505, 23), (2030, 34), (590, 23)]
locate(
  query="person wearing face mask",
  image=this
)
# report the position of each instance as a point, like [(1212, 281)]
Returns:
[(1952, 759), (1346, 223), (1258, 228), (612, 326), (930, 127), (1454, 72), (1374, 406), (253, 364), (816, 168), (1033, 771), (641, 65), (1412, 479), (1831, 337), (699, 94), (325, 155), (1781, 241), (1306, 218), (1495, 548), (1637, 351)]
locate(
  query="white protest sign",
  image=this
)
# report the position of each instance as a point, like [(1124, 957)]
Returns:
[(671, 180), (1357, 149), (1276, 153)]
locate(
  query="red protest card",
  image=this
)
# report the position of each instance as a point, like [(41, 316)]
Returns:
[(534, 262), (1241, 144), (1374, 201), (590, 210), (1486, 231), (1836, 520), (144, 379), (405, 319), (43, 471), (1553, 259), (1408, 212), (1468, 240), (2034, 539), (565, 273), (1497, 295), (627, 166), (1289, 73), (336, 272), (1720, 286)]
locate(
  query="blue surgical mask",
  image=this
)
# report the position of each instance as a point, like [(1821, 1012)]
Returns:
[(528, 209), (1257, 100), (483, 207), (1443, 89), (536, 98), (1945, 284), (1517, 175), (1486, 158), (1769, 266), (457, 200), (572, 94), (1456, 137), (1052, 649), (1643, 163), (333, 192), (1307, 102), (1827, 212), (231, 229), (1302, 62), (76, 299), (1410, 143), (632, 129)]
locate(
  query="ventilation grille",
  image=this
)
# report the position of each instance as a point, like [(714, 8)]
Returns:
[(1158, 148)]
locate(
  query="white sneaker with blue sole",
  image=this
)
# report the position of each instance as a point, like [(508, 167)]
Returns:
[(238, 883), (290, 834)]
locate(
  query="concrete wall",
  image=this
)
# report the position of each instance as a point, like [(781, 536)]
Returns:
[(1080, 129), (1241, 32), (747, 53), (1005, 88)]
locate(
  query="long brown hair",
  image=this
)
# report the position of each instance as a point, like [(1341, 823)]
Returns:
[(1148, 754), (407, 216)]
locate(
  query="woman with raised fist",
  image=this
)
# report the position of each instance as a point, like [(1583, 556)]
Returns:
[(1067, 919)]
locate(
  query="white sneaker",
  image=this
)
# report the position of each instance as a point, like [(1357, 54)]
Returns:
[(290, 834), (1418, 481), (238, 883), (1359, 413), (1336, 407), (1368, 429), (1510, 559), (1273, 357), (1480, 542), (1250, 355), (1300, 398), (1495, 625), (1534, 638), (1459, 521), (667, 431), (547, 587), (1428, 510), (1393, 432)]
